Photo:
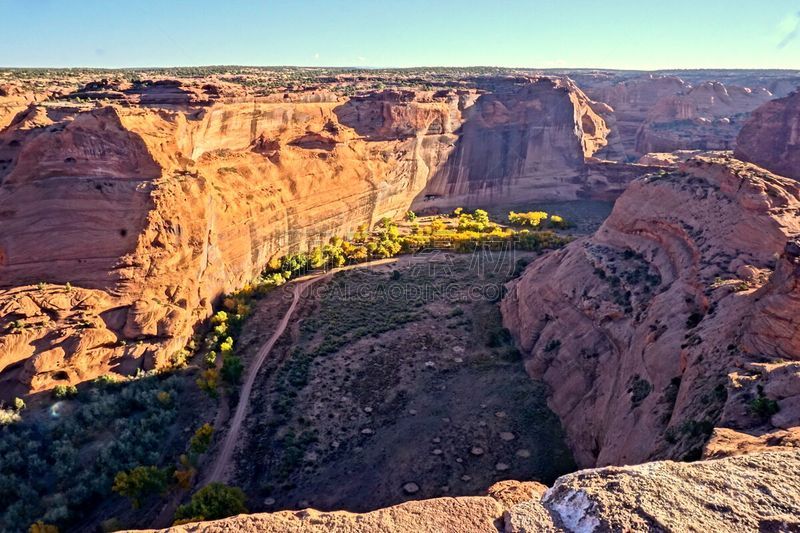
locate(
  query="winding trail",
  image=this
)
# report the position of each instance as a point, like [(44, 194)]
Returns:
[(225, 453)]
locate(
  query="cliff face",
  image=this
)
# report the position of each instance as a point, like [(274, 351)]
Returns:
[(705, 117), (651, 332), (165, 210), (771, 137), (665, 114), (158, 209), (531, 142)]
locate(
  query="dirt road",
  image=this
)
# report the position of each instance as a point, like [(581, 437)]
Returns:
[(223, 459)]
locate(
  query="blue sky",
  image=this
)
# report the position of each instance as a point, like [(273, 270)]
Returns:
[(640, 34)]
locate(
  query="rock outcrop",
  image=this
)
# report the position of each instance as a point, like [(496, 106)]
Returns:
[(656, 113), (174, 194), (13, 100), (771, 137), (758, 492), (673, 319), (705, 117), (516, 143)]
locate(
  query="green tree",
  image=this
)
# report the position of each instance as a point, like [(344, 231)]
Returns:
[(232, 369), (212, 502), (141, 482), (201, 439), (411, 216), (481, 217)]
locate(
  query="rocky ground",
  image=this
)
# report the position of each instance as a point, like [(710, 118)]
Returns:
[(399, 383), (757, 492)]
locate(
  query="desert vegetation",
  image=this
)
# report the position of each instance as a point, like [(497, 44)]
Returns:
[(361, 381), (119, 436)]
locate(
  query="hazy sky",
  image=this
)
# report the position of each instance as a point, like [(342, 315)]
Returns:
[(641, 34)]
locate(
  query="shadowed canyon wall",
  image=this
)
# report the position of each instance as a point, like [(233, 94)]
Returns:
[(771, 137), (519, 144)]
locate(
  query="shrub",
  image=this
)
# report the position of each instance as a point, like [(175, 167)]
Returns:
[(232, 369), (7, 417), (480, 216), (694, 320), (226, 347), (533, 219), (184, 476), (553, 345), (411, 216), (639, 390), (477, 222), (19, 404), (208, 381), (178, 359), (164, 397), (437, 226), (764, 407), (221, 317), (64, 391), (41, 527), (212, 502), (201, 439), (141, 482), (559, 222)]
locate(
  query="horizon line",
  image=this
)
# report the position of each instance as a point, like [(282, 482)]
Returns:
[(433, 67)]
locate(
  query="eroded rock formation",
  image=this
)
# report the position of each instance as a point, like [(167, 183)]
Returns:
[(758, 492), (519, 143), (162, 201), (771, 137), (673, 319), (656, 113)]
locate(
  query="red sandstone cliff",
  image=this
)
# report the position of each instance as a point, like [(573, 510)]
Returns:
[(525, 143), (771, 137), (651, 332), (665, 113), (151, 207)]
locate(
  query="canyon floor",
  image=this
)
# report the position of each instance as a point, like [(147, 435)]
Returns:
[(369, 399)]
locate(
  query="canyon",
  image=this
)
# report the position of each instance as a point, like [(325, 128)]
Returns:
[(185, 196), (665, 337)]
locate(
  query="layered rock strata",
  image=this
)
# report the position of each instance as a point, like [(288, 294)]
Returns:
[(161, 197), (676, 317)]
